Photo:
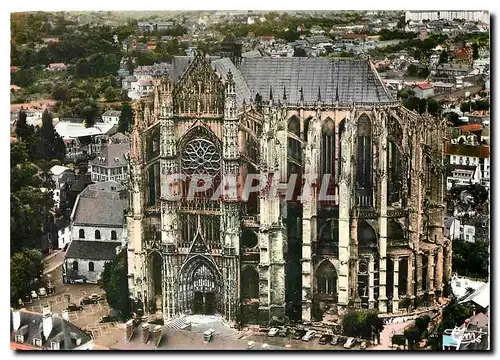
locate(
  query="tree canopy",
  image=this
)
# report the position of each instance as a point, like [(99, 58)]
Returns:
[(115, 282), (25, 266), (361, 323)]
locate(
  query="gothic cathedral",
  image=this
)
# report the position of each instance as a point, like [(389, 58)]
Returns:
[(376, 241)]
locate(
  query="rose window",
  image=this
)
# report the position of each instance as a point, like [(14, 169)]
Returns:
[(200, 156)]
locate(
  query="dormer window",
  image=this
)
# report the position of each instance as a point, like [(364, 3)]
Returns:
[(37, 342), (54, 345), (19, 338)]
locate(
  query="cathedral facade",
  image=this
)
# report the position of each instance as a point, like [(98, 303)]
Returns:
[(375, 241)]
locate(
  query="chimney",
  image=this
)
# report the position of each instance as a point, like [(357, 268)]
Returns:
[(65, 315), (46, 321), (145, 333), (16, 319), (129, 330)]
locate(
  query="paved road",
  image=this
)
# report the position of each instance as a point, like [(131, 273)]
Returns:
[(88, 319), (387, 332), (53, 261)]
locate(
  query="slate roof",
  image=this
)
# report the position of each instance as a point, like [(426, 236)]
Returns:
[(112, 113), (347, 81), (110, 153), (100, 208), (31, 324), (344, 80), (92, 250), (222, 67)]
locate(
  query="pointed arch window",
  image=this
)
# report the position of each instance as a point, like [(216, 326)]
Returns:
[(364, 161), (97, 235), (81, 234), (328, 147), (249, 283), (326, 278), (91, 266)]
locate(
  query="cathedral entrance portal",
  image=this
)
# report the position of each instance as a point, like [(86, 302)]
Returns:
[(200, 287)]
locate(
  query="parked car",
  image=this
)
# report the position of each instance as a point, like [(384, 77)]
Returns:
[(309, 335), (86, 301), (325, 339), (299, 333), (42, 292), (51, 289), (96, 297), (73, 307), (78, 281), (363, 345), (107, 319), (349, 343), (335, 340), (273, 332), (34, 295), (250, 344)]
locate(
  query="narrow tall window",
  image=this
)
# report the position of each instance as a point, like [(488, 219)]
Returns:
[(97, 235), (91, 266), (75, 265), (113, 235), (328, 147), (81, 234)]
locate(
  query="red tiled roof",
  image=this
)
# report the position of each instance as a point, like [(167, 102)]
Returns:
[(425, 85), (19, 346), (354, 36), (467, 150), (470, 128)]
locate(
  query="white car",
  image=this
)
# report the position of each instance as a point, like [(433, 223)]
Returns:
[(309, 335), (34, 295), (273, 332), (349, 343), (42, 292)]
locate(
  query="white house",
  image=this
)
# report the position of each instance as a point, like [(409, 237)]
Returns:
[(463, 175), (111, 117), (60, 175), (423, 90), (46, 331), (97, 226), (112, 163)]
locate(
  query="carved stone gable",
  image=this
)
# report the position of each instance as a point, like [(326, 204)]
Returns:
[(200, 90)]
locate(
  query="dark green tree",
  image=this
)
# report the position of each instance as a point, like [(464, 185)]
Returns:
[(443, 57), (475, 51), (361, 323), (24, 132), (126, 118), (51, 146), (115, 282)]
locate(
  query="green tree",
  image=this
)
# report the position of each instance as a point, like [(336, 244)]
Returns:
[(115, 282), (51, 146), (475, 51), (24, 132), (111, 94), (361, 323), (126, 118), (443, 57), (25, 266)]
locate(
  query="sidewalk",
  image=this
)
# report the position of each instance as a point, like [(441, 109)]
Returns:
[(54, 253)]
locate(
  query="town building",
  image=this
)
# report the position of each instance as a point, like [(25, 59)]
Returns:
[(376, 241), (111, 164), (82, 142), (423, 90), (111, 117), (60, 175), (45, 331), (96, 231)]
